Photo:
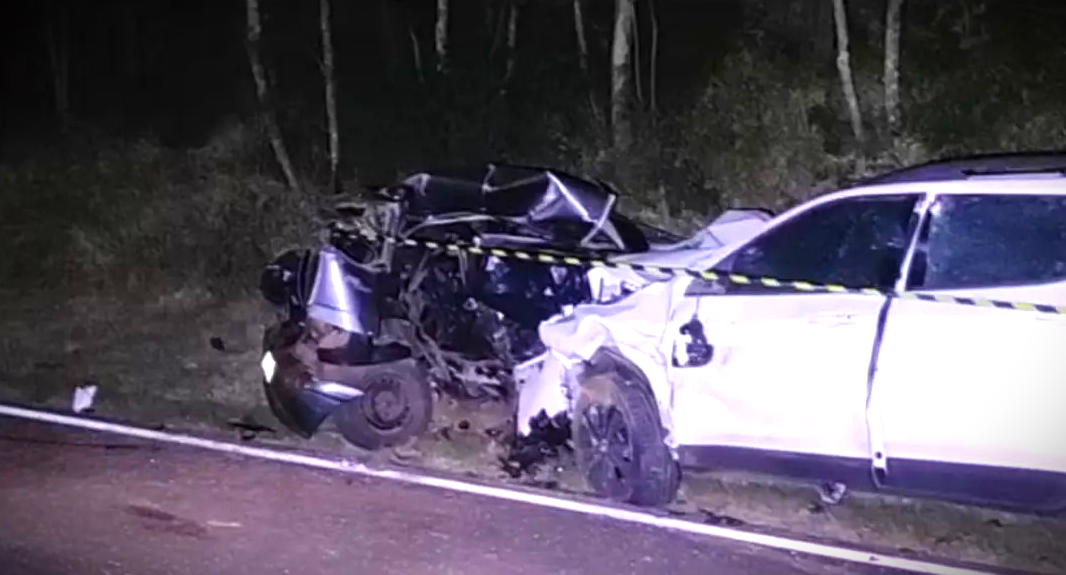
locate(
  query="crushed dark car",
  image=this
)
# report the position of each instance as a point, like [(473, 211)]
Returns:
[(370, 326)]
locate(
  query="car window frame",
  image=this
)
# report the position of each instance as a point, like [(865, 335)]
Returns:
[(921, 246), (703, 287)]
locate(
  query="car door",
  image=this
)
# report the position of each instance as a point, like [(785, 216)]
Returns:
[(971, 398), (788, 369)]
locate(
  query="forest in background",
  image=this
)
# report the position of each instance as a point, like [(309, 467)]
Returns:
[(138, 150)]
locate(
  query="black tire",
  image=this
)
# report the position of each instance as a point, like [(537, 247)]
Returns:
[(397, 406), (618, 438)]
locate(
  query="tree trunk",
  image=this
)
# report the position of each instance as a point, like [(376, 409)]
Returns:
[(416, 52), (892, 34), (638, 88), (653, 61), (57, 35), (583, 61), (846, 80), (512, 42), (441, 36), (331, 94), (621, 126), (262, 91)]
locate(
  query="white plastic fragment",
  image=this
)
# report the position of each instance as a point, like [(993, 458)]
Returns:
[(83, 398)]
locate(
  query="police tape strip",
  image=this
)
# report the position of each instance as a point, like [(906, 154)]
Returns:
[(736, 279)]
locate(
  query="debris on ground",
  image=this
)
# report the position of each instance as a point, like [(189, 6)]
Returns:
[(83, 397), (549, 438), (712, 518), (248, 428)]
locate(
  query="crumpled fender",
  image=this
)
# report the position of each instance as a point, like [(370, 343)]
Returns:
[(632, 330)]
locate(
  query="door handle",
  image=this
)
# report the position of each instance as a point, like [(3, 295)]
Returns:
[(831, 318)]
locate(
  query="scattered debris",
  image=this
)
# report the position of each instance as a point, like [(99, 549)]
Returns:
[(230, 524), (831, 492), (249, 428), (712, 518), (548, 438), (83, 397), (406, 452)]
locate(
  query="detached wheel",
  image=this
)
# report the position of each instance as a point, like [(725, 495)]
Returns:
[(619, 442), (397, 405)]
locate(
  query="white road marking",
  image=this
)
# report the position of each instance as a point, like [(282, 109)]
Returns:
[(542, 500)]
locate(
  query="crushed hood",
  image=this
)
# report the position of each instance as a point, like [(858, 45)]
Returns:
[(701, 251)]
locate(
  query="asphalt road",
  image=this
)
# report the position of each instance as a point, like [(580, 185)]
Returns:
[(77, 503)]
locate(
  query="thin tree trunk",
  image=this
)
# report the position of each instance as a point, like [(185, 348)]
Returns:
[(331, 94), (621, 127), (638, 88), (583, 61), (512, 42), (653, 63), (255, 30), (57, 34), (497, 26), (441, 36), (846, 81), (416, 52), (892, 34)]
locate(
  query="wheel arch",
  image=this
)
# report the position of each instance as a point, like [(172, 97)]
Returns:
[(635, 367)]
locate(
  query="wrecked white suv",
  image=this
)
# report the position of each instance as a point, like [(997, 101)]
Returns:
[(959, 397)]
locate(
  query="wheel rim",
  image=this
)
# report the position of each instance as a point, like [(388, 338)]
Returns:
[(607, 451), (385, 405)]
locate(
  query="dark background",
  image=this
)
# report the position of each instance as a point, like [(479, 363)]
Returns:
[(162, 153)]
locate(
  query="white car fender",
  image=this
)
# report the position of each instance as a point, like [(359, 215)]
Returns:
[(632, 327)]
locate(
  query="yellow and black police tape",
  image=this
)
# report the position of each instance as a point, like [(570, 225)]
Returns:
[(550, 258)]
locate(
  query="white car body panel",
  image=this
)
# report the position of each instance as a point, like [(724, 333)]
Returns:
[(974, 385), (789, 373)]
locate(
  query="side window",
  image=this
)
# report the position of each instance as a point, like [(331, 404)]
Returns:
[(857, 242), (986, 240)]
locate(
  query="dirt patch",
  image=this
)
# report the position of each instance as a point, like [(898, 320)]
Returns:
[(191, 363)]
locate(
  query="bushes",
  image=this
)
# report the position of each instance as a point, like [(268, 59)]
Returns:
[(130, 215)]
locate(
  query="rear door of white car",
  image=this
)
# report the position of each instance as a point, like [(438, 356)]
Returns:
[(789, 370), (971, 400)]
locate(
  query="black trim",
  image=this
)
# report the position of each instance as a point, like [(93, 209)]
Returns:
[(871, 377), (1026, 490)]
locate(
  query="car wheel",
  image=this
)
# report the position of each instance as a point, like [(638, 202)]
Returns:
[(618, 439), (397, 405)]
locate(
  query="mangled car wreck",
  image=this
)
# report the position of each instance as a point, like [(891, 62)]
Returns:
[(372, 321)]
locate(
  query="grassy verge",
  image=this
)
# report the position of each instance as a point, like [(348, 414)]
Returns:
[(154, 363)]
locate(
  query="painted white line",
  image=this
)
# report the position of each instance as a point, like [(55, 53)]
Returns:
[(542, 500)]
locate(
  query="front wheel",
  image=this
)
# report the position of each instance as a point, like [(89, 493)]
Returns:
[(396, 406), (619, 442)]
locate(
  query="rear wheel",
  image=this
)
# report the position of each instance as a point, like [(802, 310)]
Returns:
[(619, 442), (397, 405)]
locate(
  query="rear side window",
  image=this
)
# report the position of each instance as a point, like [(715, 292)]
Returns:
[(977, 241)]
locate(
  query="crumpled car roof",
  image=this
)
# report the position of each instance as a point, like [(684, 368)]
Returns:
[(509, 191), (564, 209)]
